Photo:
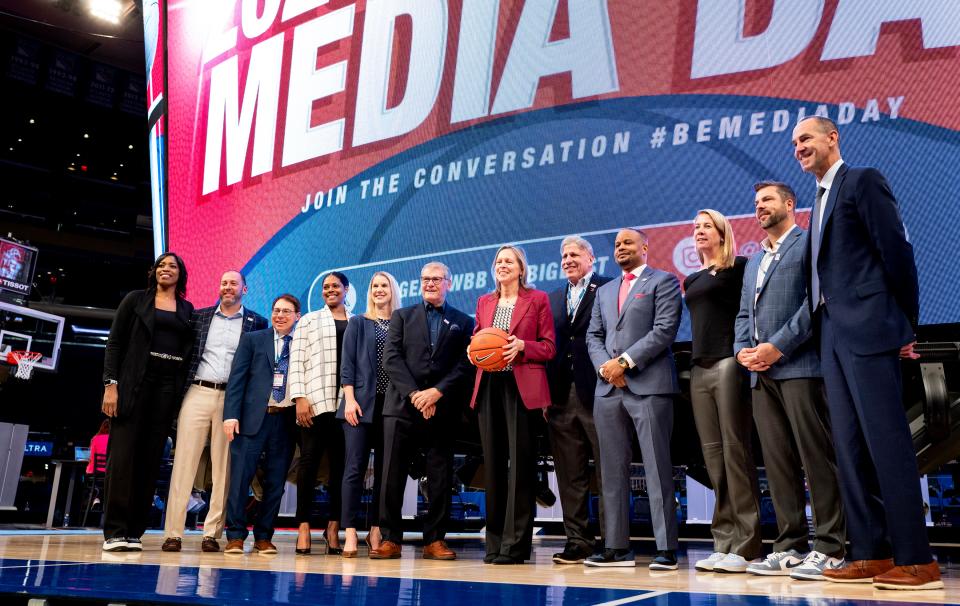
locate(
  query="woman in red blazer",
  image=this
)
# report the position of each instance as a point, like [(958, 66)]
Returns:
[(509, 405)]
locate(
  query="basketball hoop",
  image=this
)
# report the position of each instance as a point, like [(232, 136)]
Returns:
[(25, 361)]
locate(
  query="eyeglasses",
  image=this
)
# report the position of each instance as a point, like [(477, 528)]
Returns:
[(283, 312), (431, 280)]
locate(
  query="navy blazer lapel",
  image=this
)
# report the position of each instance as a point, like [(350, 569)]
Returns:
[(582, 313), (444, 329), (420, 322), (248, 321), (832, 199), (269, 349)]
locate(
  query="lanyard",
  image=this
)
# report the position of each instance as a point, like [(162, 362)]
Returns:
[(573, 305)]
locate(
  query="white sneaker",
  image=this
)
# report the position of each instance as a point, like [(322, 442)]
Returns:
[(777, 564), (734, 563), (814, 565), (706, 564), (115, 544)]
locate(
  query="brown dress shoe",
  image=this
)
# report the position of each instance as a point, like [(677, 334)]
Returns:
[(172, 544), (265, 547), (209, 545), (388, 551), (234, 546), (438, 550), (923, 576), (858, 571)]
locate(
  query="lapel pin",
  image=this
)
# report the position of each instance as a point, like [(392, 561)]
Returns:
[(446, 321), (776, 257)]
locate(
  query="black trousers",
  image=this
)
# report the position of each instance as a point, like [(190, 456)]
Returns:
[(137, 440), (509, 464), (402, 438), (326, 435), (573, 442), (358, 441)]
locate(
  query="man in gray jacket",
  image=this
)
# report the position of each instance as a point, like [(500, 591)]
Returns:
[(773, 341), (634, 321)]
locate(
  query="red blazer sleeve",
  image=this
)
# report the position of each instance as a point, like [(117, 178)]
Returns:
[(536, 330)]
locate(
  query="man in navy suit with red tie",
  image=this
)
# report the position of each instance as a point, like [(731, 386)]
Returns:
[(864, 294)]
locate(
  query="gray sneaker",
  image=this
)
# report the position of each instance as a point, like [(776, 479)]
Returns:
[(777, 564), (813, 566)]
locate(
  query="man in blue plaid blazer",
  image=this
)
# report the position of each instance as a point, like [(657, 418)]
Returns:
[(218, 330), (773, 341)]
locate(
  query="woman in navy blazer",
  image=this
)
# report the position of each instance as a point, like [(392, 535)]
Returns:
[(509, 405), (365, 382)]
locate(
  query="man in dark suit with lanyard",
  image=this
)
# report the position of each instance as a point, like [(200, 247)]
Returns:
[(426, 359), (573, 434), (864, 294)]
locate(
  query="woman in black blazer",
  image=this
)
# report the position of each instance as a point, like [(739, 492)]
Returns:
[(365, 382), (144, 372)]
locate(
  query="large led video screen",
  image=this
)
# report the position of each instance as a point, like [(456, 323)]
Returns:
[(309, 135)]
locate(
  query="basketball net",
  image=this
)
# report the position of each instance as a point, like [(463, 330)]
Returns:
[(25, 361)]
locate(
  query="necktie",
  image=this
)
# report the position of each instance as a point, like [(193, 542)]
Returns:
[(279, 393), (625, 284), (815, 248)]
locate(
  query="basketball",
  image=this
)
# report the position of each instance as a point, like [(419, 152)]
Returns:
[(486, 349)]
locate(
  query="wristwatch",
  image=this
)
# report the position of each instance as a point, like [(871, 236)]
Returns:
[(109, 382), (623, 363)]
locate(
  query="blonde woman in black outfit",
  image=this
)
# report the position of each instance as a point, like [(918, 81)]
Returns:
[(144, 371), (721, 410)]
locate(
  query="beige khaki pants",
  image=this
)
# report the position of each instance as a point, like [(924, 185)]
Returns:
[(200, 421)]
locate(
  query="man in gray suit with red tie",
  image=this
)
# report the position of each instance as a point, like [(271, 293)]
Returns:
[(774, 341), (864, 295), (633, 324)]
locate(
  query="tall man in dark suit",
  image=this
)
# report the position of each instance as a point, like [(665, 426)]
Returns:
[(259, 420), (864, 293), (573, 434), (633, 324), (201, 415), (773, 341), (425, 357)]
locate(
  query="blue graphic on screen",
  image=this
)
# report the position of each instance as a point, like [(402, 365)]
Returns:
[(463, 218)]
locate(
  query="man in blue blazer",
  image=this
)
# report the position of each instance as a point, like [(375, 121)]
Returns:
[(634, 322), (864, 294), (773, 341), (258, 418)]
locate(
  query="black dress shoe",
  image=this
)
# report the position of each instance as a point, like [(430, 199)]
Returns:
[(506, 560), (490, 557), (572, 554)]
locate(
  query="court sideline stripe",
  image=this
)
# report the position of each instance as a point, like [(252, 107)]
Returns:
[(631, 599)]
